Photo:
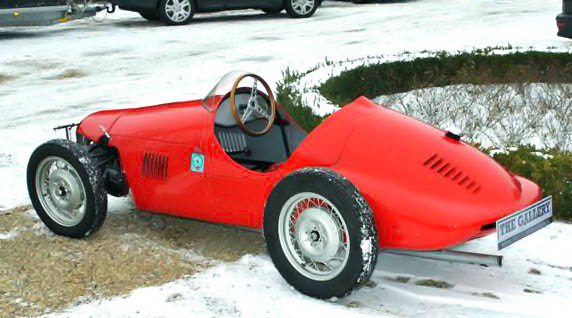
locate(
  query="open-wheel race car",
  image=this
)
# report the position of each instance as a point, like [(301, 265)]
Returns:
[(366, 179)]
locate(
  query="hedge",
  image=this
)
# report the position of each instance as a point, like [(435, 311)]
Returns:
[(551, 171)]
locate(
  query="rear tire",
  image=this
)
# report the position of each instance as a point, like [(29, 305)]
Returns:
[(301, 8), (176, 14), (320, 233), (66, 188)]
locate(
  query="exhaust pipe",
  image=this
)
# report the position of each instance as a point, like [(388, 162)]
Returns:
[(452, 256)]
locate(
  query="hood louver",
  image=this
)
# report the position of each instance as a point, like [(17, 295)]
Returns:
[(155, 165), (448, 170)]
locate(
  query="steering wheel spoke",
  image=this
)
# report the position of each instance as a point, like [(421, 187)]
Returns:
[(260, 110), (246, 114), (254, 105)]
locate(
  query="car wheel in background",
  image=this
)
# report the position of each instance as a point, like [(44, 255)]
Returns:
[(301, 8), (149, 15), (66, 188), (320, 233), (176, 12)]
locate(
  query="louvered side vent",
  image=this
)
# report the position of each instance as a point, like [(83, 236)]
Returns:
[(155, 165), (448, 170)]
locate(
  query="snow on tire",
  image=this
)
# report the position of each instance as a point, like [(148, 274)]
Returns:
[(320, 233), (66, 188)]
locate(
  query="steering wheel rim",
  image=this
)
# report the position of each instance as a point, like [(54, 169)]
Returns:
[(270, 118)]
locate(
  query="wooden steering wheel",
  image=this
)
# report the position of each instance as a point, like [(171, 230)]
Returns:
[(256, 106)]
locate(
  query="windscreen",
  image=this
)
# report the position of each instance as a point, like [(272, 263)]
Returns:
[(221, 88)]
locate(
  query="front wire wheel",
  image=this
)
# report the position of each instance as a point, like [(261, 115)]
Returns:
[(60, 191), (66, 188)]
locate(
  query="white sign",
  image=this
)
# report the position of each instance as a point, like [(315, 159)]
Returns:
[(524, 222)]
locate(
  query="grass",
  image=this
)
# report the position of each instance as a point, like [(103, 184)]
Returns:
[(69, 74), (5, 78), (434, 283), (487, 295), (134, 249)]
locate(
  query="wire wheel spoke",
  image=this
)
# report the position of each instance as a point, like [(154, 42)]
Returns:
[(314, 236)]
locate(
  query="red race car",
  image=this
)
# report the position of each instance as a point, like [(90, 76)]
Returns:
[(368, 178)]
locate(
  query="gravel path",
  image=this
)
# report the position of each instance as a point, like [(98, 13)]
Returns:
[(41, 272)]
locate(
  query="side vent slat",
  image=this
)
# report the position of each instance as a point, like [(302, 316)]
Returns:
[(155, 166), (436, 164), (446, 169), (430, 159), (449, 172), (443, 168)]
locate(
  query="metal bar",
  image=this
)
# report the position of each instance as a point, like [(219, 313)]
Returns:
[(452, 256)]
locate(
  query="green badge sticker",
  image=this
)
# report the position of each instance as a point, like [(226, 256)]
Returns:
[(197, 162)]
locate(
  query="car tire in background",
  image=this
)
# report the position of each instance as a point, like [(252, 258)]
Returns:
[(301, 8), (176, 12), (66, 188), (149, 15), (320, 233)]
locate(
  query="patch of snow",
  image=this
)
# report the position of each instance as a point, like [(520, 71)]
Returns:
[(9, 235), (251, 287)]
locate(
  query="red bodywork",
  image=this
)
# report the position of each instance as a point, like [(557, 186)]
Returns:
[(427, 191)]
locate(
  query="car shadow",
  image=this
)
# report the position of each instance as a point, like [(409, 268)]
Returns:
[(203, 18)]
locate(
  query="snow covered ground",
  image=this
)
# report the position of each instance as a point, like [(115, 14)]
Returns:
[(57, 75), (251, 287)]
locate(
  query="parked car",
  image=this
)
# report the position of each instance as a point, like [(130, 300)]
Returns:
[(564, 20), (367, 178), (179, 12)]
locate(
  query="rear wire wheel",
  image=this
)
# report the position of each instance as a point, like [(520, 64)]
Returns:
[(320, 233)]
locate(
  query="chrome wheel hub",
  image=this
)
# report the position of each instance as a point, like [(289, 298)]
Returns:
[(60, 191), (313, 236), (178, 10), (63, 189), (317, 235), (303, 7)]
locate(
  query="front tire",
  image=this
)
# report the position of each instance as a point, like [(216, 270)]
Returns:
[(176, 12), (301, 8), (66, 188), (320, 233)]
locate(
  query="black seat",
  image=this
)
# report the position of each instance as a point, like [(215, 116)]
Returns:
[(232, 141)]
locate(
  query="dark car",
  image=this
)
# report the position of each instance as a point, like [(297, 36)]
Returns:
[(564, 20), (179, 12)]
